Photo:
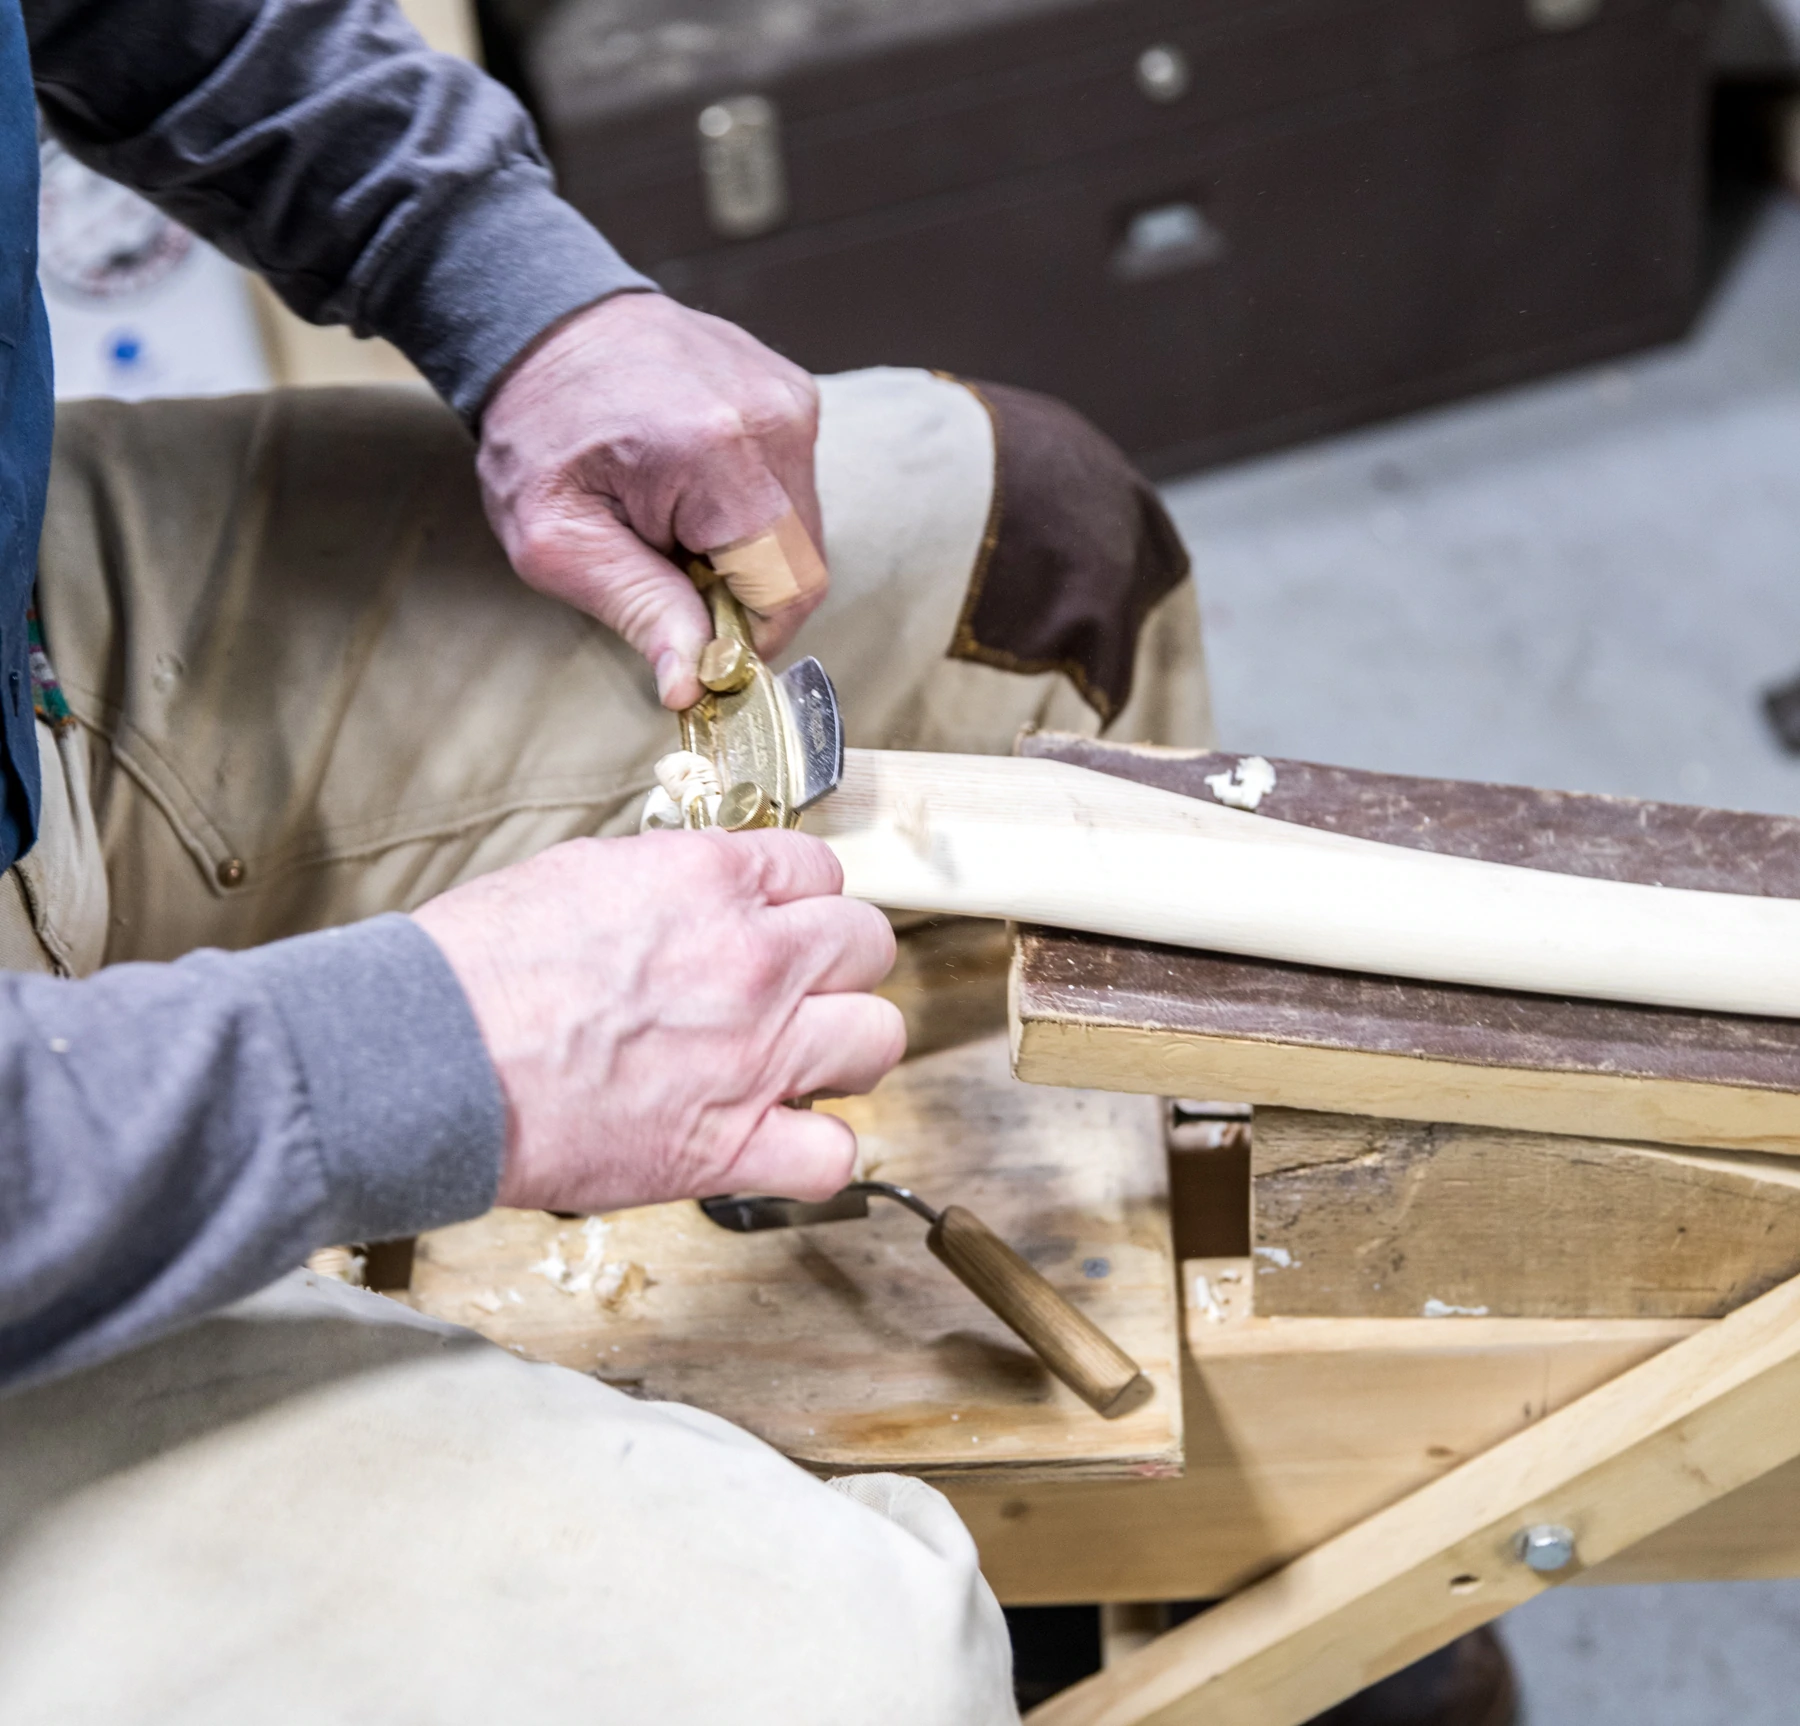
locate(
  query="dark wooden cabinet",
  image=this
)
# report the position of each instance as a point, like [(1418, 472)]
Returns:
[(1212, 226)]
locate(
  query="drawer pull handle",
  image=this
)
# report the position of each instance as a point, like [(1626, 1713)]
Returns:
[(741, 166), (1562, 14), (1164, 239)]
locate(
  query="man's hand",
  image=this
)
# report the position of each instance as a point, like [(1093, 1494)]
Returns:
[(635, 426), (650, 1003)]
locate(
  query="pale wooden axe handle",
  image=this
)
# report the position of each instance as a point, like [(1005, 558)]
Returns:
[(1045, 842)]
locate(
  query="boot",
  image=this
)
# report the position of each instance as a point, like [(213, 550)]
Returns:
[(1467, 1683)]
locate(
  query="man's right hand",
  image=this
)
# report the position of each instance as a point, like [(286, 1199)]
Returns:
[(651, 1003), (631, 427)]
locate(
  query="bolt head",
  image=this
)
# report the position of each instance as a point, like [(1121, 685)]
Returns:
[(1546, 1547), (725, 666), (744, 806)]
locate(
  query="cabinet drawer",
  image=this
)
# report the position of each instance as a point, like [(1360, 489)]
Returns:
[(1204, 296), (936, 113)]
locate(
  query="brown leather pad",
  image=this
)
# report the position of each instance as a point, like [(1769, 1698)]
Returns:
[(1078, 550)]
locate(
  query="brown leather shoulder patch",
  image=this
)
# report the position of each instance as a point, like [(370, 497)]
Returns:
[(1078, 550)]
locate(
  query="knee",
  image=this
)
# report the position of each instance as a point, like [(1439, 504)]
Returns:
[(929, 1645)]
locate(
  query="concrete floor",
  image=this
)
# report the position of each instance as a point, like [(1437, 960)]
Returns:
[(1683, 1655), (1584, 583)]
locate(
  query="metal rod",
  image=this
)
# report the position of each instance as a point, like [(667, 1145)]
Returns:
[(901, 1195)]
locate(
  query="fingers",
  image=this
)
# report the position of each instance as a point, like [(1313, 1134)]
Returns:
[(785, 866), (839, 946), (774, 628), (791, 460), (756, 482), (796, 1153), (658, 610), (751, 459), (727, 493), (585, 555), (842, 1043), (778, 575), (772, 633), (772, 570)]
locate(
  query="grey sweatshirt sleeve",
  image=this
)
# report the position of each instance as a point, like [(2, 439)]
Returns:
[(174, 1136), (373, 182)]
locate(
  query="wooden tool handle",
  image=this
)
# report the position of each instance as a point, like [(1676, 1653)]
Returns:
[(1082, 1355)]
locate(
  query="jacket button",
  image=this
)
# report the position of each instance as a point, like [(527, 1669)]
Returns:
[(230, 872)]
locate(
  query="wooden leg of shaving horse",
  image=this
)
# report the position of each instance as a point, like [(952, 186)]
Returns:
[(1690, 1425)]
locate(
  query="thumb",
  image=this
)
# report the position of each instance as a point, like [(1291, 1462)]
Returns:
[(663, 616), (603, 568)]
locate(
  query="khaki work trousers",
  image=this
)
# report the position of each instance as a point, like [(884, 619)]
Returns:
[(310, 690)]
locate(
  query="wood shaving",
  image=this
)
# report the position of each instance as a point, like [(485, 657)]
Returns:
[(341, 1264), (610, 1282), (684, 779), (1244, 785), (1206, 1299)]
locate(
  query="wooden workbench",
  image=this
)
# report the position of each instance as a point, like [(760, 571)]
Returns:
[(1613, 1179), (847, 1345), (1298, 1429), (1349, 1475)]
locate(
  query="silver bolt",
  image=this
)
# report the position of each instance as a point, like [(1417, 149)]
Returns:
[(1162, 73), (1545, 1547)]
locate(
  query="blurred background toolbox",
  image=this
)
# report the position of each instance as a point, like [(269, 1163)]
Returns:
[(1213, 225)]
